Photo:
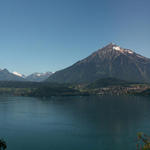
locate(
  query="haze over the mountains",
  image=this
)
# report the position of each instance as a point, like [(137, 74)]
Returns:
[(38, 77), (109, 61), (6, 75)]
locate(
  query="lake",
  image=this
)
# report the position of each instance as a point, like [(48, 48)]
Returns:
[(73, 123)]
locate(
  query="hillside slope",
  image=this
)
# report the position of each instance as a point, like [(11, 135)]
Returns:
[(110, 61)]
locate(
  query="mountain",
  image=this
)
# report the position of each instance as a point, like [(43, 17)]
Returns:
[(35, 77), (18, 74), (110, 61), (5, 75), (38, 77)]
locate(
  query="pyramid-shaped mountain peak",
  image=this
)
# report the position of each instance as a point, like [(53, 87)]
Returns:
[(111, 46), (115, 49), (109, 61)]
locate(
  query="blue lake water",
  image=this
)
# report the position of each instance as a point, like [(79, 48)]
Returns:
[(73, 123)]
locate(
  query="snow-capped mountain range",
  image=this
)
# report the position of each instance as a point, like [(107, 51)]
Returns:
[(38, 77), (19, 74), (6, 75), (110, 61)]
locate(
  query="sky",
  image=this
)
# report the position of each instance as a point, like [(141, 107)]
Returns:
[(49, 35)]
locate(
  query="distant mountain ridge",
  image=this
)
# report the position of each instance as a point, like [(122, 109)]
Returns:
[(109, 61), (38, 77), (19, 74), (6, 75)]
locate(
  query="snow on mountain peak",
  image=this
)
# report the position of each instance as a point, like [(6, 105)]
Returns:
[(17, 74), (39, 74), (129, 51), (117, 48)]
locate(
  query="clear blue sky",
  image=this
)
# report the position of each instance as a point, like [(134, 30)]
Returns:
[(48, 35)]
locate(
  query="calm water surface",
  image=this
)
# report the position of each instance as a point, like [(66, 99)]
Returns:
[(73, 123)]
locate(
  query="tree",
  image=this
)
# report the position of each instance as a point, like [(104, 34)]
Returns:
[(3, 145), (143, 141)]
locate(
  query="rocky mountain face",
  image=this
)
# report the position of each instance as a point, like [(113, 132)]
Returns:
[(111, 61), (5, 75), (38, 77)]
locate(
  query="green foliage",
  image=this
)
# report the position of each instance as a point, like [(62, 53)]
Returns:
[(143, 141), (105, 86), (105, 82), (41, 89), (24, 84), (46, 91), (15, 91), (3, 144), (145, 92)]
